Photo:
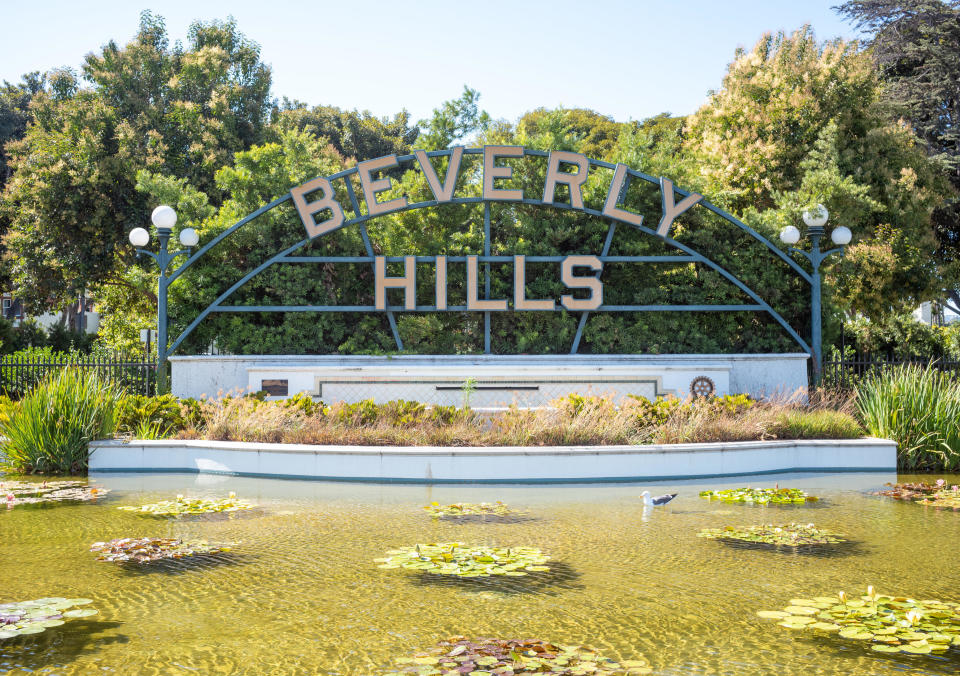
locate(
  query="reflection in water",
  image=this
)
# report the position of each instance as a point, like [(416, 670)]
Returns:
[(301, 593)]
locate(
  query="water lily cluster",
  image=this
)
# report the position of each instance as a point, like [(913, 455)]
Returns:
[(937, 494), (455, 558), (891, 624), (502, 657), (182, 506), (31, 492), (23, 618), (470, 509), (784, 535), (148, 550), (761, 496)]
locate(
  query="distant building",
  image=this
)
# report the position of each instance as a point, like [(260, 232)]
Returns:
[(934, 315), (13, 312)]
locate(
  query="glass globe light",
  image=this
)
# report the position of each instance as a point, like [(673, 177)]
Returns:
[(164, 217), (790, 235), (816, 217), (189, 237), (139, 237), (841, 235)]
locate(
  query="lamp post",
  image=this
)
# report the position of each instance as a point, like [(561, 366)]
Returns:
[(164, 218), (815, 220)]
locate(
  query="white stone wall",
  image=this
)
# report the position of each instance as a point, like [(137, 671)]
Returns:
[(500, 380), (504, 464)]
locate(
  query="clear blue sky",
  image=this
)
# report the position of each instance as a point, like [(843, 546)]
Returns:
[(626, 59)]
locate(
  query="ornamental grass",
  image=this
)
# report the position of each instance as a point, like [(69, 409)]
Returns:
[(919, 408), (570, 420), (49, 431)]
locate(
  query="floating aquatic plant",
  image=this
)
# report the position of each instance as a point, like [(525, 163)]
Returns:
[(495, 656), (455, 558), (147, 550), (460, 509), (191, 506), (761, 496), (31, 492), (891, 623), (784, 535), (938, 494), (34, 617)]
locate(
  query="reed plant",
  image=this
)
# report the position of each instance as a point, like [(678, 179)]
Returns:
[(919, 408), (48, 432)]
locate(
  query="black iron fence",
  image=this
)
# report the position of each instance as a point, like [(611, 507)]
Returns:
[(846, 373), (135, 373)]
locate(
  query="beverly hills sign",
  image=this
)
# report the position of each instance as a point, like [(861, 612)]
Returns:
[(316, 198)]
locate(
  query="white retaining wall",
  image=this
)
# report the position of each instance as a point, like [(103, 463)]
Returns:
[(500, 380), (494, 464)]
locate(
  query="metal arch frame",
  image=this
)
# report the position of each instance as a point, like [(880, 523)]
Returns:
[(692, 256)]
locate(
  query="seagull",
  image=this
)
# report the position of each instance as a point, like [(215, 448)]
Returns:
[(659, 500)]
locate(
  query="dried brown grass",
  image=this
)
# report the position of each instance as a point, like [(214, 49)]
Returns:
[(569, 421)]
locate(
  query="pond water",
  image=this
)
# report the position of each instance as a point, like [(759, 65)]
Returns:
[(301, 593)]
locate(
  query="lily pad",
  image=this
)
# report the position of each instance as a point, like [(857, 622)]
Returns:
[(479, 511), (761, 496), (494, 656), (455, 558), (182, 506), (772, 535), (889, 623), (25, 618), (14, 493), (147, 550)]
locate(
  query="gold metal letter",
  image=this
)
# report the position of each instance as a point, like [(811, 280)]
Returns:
[(670, 210), (520, 301), (491, 171), (610, 207), (441, 282), (593, 283), (443, 193), (573, 181), (371, 186), (408, 282), (473, 302), (308, 209)]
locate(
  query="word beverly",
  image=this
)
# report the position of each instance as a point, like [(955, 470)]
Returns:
[(443, 192), (372, 184)]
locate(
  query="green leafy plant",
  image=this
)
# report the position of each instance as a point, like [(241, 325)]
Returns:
[(761, 496), (50, 430), (784, 535), (890, 624), (34, 617), (15, 493), (490, 656), (182, 506), (148, 550), (455, 558), (157, 417), (468, 388), (919, 409)]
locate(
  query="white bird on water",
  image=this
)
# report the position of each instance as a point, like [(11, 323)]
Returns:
[(659, 500)]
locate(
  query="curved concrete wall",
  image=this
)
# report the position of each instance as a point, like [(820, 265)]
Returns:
[(494, 464)]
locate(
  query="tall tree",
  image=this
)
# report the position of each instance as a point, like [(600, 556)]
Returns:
[(798, 122), (181, 112), (916, 44), (357, 135)]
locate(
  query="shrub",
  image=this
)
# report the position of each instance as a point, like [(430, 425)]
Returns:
[(136, 412), (919, 408), (49, 431)]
